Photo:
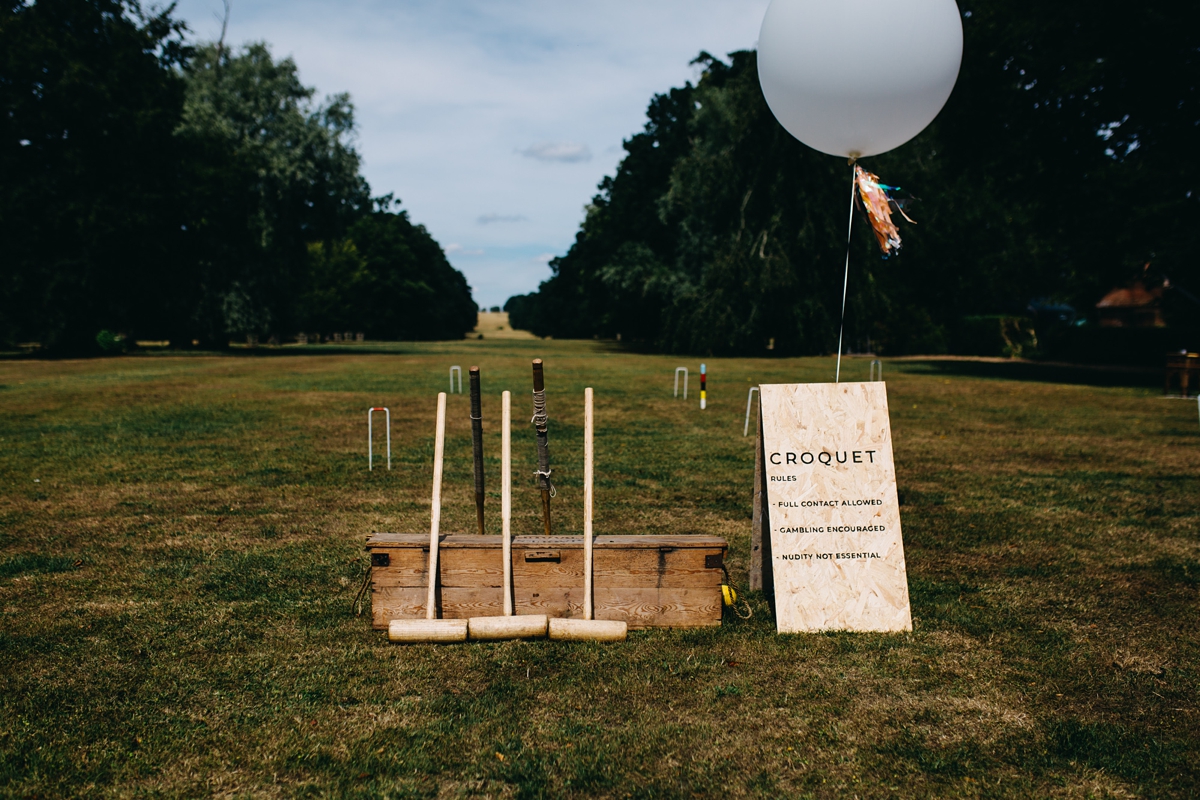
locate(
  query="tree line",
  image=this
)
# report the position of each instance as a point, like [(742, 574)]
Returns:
[(1061, 165), (191, 192)]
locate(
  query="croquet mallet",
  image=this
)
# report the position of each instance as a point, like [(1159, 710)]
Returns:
[(525, 626), (432, 629), (588, 629)]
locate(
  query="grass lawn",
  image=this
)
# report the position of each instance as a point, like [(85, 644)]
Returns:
[(181, 540)]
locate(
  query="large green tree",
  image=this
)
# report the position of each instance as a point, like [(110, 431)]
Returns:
[(1060, 165), (169, 190), (389, 279), (622, 242), (270, 171), (90, 95)]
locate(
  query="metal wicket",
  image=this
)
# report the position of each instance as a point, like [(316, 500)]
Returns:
[(749, 400), (685, 381)]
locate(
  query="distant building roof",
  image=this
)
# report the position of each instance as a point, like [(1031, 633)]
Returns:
[(1136, 295), (1133, 306)]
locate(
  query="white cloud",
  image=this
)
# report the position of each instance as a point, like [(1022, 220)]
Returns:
[(568, 152), (458, 249), (444, 91), (487, 219), (544, 258)]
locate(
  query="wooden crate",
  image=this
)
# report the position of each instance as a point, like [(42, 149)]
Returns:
[(648, 581), (1184, 369)]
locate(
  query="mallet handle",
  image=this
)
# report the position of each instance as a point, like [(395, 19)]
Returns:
[(477, 443), (588, 459), (506, 496), (439, 445)]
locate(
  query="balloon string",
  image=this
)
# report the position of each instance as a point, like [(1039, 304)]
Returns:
[(846, 278)]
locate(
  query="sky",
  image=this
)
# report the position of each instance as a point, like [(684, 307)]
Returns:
[(491, 120)]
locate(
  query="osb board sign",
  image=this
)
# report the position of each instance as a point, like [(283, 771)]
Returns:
[(836, 553)]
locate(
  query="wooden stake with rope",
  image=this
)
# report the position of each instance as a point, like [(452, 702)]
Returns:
[(477, 444), (540, 424)]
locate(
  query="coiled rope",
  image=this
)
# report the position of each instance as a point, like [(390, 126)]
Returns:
[(541, 424)]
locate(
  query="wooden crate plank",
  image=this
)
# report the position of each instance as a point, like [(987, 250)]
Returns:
[(397, 540), (451, 540), (457, 567), (566, 572), (660, 608), (654, 569), (633, 568), (406, 567), (622, 542), (612, 568), (647, 541), (553, 601), (460, 602), (640, 608), (458, 540), (463, 602), (472, 567), (390, 603)]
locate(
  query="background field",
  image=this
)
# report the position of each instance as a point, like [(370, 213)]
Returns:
[(181, 540)]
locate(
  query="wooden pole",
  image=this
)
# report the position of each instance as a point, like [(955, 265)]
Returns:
[(506, 496), (435, 521), (588, 457), (760, 542), (756, 506), (477, 443), (543, 440)]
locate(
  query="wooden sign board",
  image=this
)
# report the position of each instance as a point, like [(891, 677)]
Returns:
[(835, 556)]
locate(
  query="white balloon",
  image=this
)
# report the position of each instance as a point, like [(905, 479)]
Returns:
[(858, 77)]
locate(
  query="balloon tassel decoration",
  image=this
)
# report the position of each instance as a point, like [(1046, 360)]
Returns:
[(877, 200)]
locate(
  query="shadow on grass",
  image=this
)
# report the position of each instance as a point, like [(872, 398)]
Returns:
[(1077, 374), (35, 563), (378, 349), (1057, 745), (406, 348)]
